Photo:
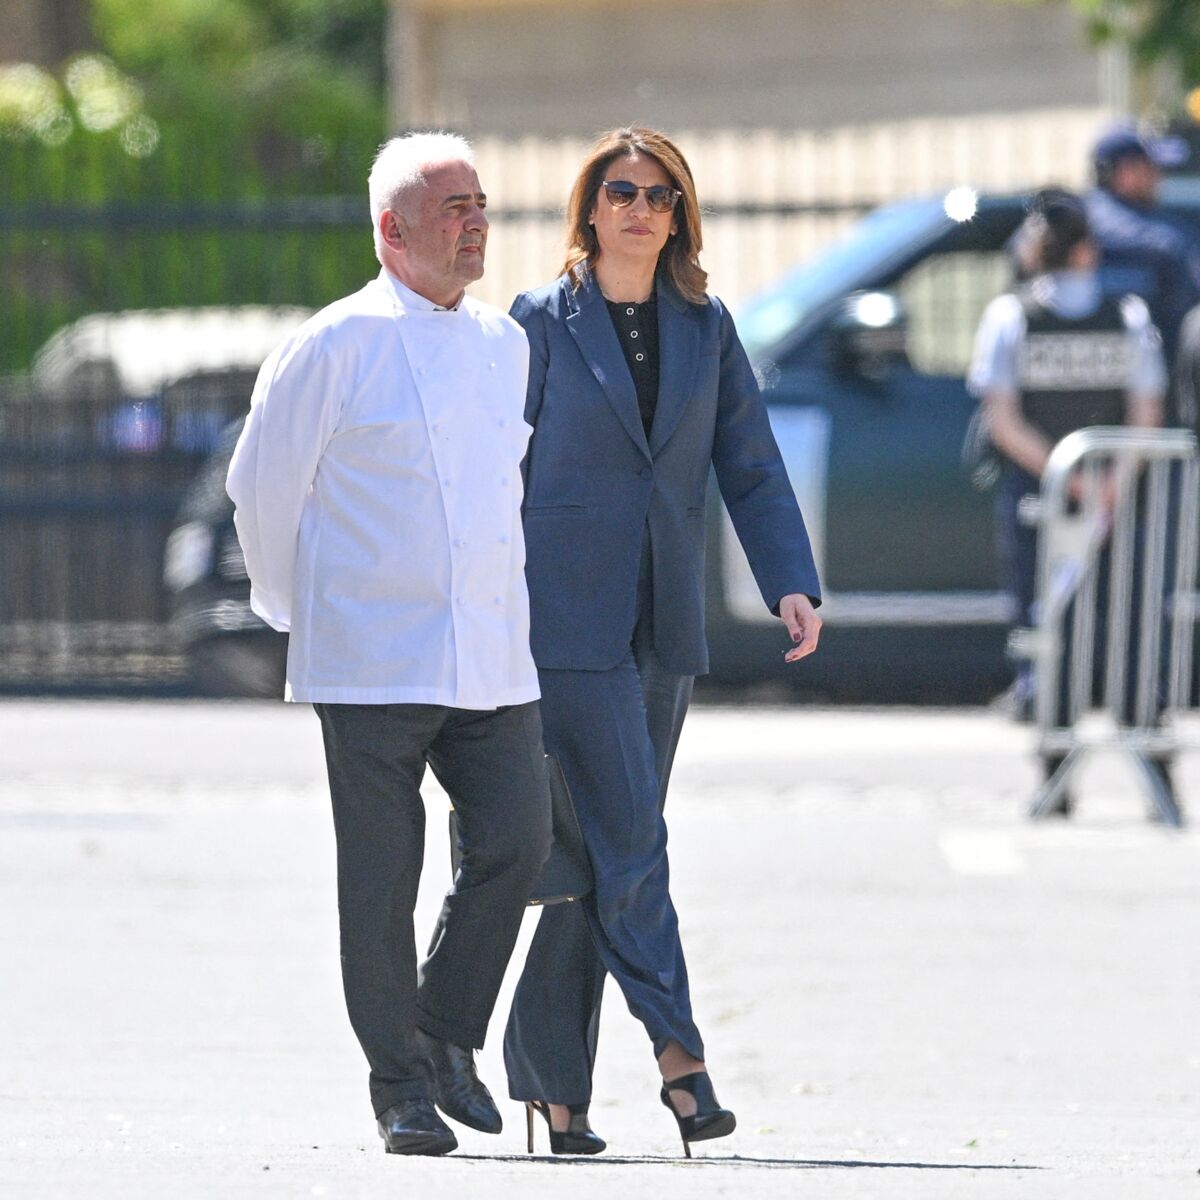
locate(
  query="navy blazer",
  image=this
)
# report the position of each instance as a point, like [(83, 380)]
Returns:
[(593, 481)]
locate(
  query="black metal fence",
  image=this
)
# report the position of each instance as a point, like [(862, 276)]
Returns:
[(89, 487), (97, 444), (85, 228)]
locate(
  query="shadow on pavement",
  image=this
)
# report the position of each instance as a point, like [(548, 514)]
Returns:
[(736, 1160)]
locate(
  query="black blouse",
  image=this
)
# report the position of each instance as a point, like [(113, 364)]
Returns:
[(637, 331)]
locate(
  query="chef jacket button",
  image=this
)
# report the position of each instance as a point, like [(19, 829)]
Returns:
[(445, 483), (462, 600), (504, 540), (421, 371), (459, 543), (645, 473), (629, 312), (491, 366), (633, 333), (640, 357), (504, 481), (502, 422), (497, 600)]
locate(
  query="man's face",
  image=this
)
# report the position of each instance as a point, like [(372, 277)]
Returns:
[(1135, 180), (436, 238)]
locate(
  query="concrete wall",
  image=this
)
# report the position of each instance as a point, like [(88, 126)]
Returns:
[(526, 67)]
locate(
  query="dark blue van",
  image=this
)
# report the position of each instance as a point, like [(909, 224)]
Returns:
[(862, 354)]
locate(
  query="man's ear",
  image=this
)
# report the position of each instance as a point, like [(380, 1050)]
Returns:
[(391, 227)]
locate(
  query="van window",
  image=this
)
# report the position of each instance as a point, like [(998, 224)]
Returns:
[(945, 295), (771, 320)]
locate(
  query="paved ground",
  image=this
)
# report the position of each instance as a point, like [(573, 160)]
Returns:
[(907, 990)]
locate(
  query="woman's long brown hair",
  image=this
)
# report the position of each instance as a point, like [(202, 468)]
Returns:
[(680, 257)]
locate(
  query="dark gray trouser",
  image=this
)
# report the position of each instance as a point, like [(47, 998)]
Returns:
[(614, 734), (491, 764)]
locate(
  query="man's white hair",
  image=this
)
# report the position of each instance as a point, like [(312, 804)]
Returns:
[(400, 167)]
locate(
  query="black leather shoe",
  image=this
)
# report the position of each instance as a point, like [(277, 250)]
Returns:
[(457, 1090), (413, 1127)]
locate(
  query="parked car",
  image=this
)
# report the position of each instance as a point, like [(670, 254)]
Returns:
[(99, 441), (230, 652), (861, 354)]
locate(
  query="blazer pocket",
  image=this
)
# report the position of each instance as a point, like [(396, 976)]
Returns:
[(556, 510)]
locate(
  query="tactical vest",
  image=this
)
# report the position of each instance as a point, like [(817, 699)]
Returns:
[(1073, 373)]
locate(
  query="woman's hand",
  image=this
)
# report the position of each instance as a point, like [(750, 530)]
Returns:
[(797, 613)]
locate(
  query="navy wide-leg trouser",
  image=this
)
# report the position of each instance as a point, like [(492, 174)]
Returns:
[(614, 733)]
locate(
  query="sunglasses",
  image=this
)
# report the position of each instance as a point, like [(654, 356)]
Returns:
[(621, 193)]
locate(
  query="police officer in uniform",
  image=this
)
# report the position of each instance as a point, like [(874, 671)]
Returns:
[(1140, 252), (1057, 355)]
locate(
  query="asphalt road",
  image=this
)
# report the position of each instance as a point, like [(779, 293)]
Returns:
[(906, 989)]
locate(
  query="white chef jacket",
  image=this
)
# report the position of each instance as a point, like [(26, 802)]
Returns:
[(378, 497)]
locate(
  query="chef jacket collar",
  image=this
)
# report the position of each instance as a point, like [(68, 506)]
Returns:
[(410, 299)]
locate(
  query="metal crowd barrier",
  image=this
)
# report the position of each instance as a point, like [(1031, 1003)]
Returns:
[(1118, 518)]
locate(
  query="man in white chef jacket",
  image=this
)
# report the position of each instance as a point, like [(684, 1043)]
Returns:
[(378, 496)]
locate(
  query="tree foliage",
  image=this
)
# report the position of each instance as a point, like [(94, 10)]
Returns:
[(185, 120), (1156, 32), (297, 79)]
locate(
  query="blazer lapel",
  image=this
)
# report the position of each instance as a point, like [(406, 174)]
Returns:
[(592, 328), (678, 348)]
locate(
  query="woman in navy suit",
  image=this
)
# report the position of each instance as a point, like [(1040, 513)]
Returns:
[(638, 387)]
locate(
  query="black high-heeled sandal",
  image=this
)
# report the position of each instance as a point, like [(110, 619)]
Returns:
[(577, 1138), (710, 1120)]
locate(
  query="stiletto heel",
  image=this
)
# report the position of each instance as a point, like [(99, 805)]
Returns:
[(577, 1138), (710, 1120)]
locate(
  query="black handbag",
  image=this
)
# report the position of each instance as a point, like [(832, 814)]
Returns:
[(567, 872)]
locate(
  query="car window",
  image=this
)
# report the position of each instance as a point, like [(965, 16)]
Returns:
[(945, 295)]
